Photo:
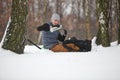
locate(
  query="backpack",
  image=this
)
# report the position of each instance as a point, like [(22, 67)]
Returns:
[(84, 45)]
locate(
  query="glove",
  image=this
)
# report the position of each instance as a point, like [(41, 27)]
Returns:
[(57, 25), (55, 28), (63, 32)]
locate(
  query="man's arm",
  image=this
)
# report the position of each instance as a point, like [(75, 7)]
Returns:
[(61, 37), (44, 27)]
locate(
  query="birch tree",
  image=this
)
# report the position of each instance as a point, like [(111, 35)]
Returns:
[(103, 20)]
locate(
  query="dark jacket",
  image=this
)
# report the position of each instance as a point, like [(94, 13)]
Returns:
[(49, 39)]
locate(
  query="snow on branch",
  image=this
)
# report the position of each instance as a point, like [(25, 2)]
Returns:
[(9, 21)]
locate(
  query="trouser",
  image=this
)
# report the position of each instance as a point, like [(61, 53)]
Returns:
[(62, 48)]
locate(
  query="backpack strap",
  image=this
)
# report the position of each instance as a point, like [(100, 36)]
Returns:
[(72, 40), (67, 47)]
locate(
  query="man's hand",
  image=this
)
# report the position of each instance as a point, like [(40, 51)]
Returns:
[(63, 32)]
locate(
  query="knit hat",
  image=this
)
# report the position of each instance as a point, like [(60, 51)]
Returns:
[(55, 16)]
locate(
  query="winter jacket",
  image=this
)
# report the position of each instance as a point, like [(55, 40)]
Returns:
[(49, 39)]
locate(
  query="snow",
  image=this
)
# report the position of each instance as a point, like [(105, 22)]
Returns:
[(101, 18), (9, 21), (99, 64)]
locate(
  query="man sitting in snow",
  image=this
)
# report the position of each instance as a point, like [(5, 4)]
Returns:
[(53, 33)]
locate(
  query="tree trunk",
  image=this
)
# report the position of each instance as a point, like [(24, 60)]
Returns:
[(15, 37), (118, 21), (44, 19), (98, 39), (87, 16), (110, 20), (59, 8), (103, 35)]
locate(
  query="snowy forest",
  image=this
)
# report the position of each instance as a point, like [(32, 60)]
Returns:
[(83, 19), (93, 23), (79, 17)]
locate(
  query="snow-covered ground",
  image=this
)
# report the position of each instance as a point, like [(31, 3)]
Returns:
[(99, 64)]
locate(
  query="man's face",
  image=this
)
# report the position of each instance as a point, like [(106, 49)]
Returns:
[(55, 22)]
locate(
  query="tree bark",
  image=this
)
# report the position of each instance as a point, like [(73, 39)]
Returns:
[(15, 37), (118, 21), (103, 18)]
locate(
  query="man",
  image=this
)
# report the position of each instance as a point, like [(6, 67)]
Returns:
[(53, 33)]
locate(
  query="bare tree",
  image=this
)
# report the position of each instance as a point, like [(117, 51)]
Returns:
[(15, 37), (103, 18), (59, 8), (45, 12), (118, 21), (44, 17), (5, 8), (110, 18), (87, 19)]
